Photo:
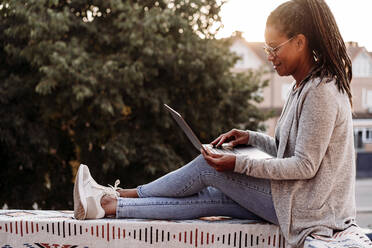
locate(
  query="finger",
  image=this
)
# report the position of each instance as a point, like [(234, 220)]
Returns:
[(203, 148), (207, 155), (222, 140), (232, 133), (211, 161), (208, 159), (207, 151), (230, 145), (214, 155), (216, 140), (203, 153), (238, 140), (210, 156)]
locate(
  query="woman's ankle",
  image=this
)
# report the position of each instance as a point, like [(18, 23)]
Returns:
[(109, 205), (128, 193)]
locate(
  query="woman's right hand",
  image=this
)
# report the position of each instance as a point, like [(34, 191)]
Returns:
[(234, 137)]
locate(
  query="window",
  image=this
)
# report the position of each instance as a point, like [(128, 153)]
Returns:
[(358, 136), (366, 98), (362, 136), (240, 62), (362, 66), (368, 136)]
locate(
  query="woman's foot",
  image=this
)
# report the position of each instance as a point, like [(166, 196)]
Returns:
[(88, 195)]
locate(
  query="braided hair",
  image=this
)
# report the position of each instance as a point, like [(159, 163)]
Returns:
[(315, 21)]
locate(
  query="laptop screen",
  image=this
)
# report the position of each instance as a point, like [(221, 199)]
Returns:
[(186, 129)]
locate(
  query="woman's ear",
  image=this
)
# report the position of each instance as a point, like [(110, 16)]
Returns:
[(301, 42)]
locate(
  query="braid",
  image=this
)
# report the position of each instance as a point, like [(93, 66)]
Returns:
[(315, 21)]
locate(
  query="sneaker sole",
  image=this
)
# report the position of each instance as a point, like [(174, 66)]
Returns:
[(80, 204)]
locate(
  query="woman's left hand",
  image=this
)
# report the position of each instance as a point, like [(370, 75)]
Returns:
[(225, 162)]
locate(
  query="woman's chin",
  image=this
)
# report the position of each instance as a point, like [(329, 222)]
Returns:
[(281, 72)]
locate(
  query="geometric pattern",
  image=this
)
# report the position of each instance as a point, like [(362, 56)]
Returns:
[(58, 229)]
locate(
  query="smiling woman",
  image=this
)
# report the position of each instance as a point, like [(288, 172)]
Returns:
[(303, 41), (307, 188), (313, 39)]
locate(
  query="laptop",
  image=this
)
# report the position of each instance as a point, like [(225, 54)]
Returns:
[(241, 149)]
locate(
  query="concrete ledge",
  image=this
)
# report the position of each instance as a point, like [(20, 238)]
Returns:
[(58, 229), (364, 210)]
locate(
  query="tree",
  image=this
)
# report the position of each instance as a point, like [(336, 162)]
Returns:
[(84, 81)]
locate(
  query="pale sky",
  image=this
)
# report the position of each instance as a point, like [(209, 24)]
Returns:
[(354, 19)]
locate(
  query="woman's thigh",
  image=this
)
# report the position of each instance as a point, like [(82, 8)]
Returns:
[(254, 194)]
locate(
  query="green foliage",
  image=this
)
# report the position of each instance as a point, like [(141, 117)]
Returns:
[(84, 81)]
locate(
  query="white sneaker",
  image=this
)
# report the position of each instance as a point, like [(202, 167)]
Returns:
[(88, 194)]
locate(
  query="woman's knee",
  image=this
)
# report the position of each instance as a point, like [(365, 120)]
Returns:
[(200, 164), (200, 161), (202, 167)]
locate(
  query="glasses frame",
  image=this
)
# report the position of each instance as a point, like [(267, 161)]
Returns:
[(274, 50)]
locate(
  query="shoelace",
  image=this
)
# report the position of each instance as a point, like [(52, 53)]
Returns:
[(112, 190)]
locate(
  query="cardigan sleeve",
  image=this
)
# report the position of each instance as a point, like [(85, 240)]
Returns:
[(315, 126), (262, 141)]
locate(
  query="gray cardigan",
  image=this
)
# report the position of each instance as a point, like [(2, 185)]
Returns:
[(313, 172)]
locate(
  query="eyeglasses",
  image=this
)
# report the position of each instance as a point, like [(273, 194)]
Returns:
[(273, 51)]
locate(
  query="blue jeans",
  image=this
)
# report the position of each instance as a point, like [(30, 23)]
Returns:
[(197, 190)]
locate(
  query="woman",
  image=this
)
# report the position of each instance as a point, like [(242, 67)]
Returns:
[(309, 185)]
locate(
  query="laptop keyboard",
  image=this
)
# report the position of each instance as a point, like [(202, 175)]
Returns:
[(223, 151)]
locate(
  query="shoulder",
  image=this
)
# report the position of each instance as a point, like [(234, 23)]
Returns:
[(326, 85), (320, 97), (324, 90)]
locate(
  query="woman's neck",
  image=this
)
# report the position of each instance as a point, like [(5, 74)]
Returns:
[(304, 69)]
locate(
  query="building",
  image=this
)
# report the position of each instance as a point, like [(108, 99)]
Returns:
[(253, 57)]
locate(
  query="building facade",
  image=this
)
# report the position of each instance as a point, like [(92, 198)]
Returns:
[(275, 94)]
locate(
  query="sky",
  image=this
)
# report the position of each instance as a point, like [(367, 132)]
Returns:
[(354, 19)]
